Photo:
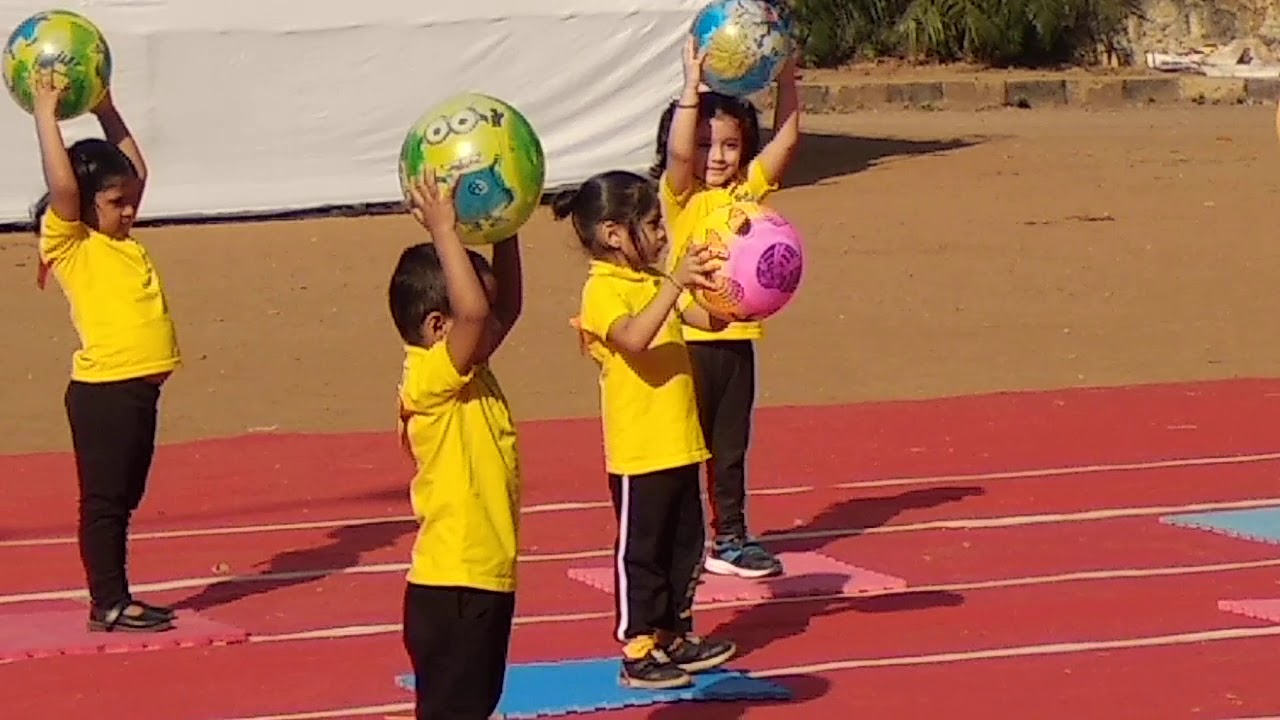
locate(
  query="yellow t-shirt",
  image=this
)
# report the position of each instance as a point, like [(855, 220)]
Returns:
[(647, 401), (117, 303), (466, 493), (683, 214)]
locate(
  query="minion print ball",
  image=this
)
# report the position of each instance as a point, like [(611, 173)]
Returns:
[(490, 153)]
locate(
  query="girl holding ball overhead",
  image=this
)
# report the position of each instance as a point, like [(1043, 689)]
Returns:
[(128, 346)]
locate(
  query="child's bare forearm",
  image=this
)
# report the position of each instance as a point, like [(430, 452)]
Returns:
[(118, 133), (59, 177), (467, 299), (682, 145), (634, 333), (508, 273), (776, 156)]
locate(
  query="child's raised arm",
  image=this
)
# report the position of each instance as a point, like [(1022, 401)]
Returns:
[(468, 303), (508, 277), (682, 144), (59, 177), (776, 156), (118, 134)]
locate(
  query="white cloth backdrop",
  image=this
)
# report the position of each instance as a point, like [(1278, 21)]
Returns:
[(247, 106)]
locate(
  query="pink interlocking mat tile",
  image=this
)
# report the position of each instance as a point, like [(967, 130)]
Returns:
[(807, 574), (1268, 610), (48, 629)]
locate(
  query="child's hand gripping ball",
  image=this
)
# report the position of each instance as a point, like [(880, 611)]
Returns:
[(762, 261), (486, 155)]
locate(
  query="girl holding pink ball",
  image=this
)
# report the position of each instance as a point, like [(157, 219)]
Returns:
[(709, 160)]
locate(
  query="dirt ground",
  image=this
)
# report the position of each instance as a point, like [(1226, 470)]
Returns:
[(947, 253)]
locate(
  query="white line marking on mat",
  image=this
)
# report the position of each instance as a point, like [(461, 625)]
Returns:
[(594, 505), (346, 712), (1068, 470), (1061, 648), (1014, 651), (972, 585), (951, 524)]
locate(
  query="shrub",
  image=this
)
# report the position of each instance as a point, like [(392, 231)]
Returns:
[(997, 32)]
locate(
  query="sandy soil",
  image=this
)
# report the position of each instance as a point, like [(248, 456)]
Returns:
[(948, 253)]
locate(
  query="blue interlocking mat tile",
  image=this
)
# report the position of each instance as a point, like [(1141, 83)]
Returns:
[(577, 686), (1261, 524)]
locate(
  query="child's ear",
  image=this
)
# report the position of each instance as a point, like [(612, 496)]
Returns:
[(435, 327), (612, 235)]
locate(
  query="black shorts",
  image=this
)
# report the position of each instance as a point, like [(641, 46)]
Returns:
[(457, 640)]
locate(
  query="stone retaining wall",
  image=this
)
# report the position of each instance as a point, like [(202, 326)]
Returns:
[(978, 93)]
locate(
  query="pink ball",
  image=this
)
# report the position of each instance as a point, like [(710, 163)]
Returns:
[(764, 261)]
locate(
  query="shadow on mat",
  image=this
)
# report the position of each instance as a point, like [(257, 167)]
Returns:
[(757, 626), (822, 157), (850, 517), (804, 688), (299, 567)]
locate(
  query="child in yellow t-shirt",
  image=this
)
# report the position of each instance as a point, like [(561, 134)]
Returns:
[(709, 156), (452, 309), (128, 346), (630, 324)]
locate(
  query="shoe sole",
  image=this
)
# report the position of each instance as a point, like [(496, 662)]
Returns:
[(671, 684), (714, 661), (716, 566), (98, 627)]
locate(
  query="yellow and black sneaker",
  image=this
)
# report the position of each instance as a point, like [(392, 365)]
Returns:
[(646, 666), (693, 654)]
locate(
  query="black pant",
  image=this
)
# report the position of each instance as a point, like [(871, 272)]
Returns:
[(724, 377), (658, 553), (113, 432), (457, 640)]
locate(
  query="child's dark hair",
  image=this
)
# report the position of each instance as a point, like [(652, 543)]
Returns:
[(711, 104), (97, 165), (615, 196), (418, 288)]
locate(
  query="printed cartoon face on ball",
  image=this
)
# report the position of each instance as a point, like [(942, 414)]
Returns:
[(764, 261), (67, 46), (489, 152)]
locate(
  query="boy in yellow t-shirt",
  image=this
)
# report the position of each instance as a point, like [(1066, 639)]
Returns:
[(709, 156), (630, 323), (128, 346), (453, 310)]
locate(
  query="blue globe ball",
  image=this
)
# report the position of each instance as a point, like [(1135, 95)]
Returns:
[(746, 42)]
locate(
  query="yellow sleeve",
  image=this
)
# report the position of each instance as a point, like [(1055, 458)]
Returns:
[(59, 238), (602, 305), (684, 302), (758, 185), (671, 202), (430, 379)]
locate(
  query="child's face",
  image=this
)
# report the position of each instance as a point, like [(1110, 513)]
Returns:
[(640, 249), (719, 150), (437, 324), (114, 209), (653, 238)]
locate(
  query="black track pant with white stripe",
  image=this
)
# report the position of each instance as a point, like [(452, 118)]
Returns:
[(659, 551)]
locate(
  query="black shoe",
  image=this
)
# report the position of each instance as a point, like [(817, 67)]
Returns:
[(128, 616), (740, 557), (693, 654), (158, 609), (654, 671)]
